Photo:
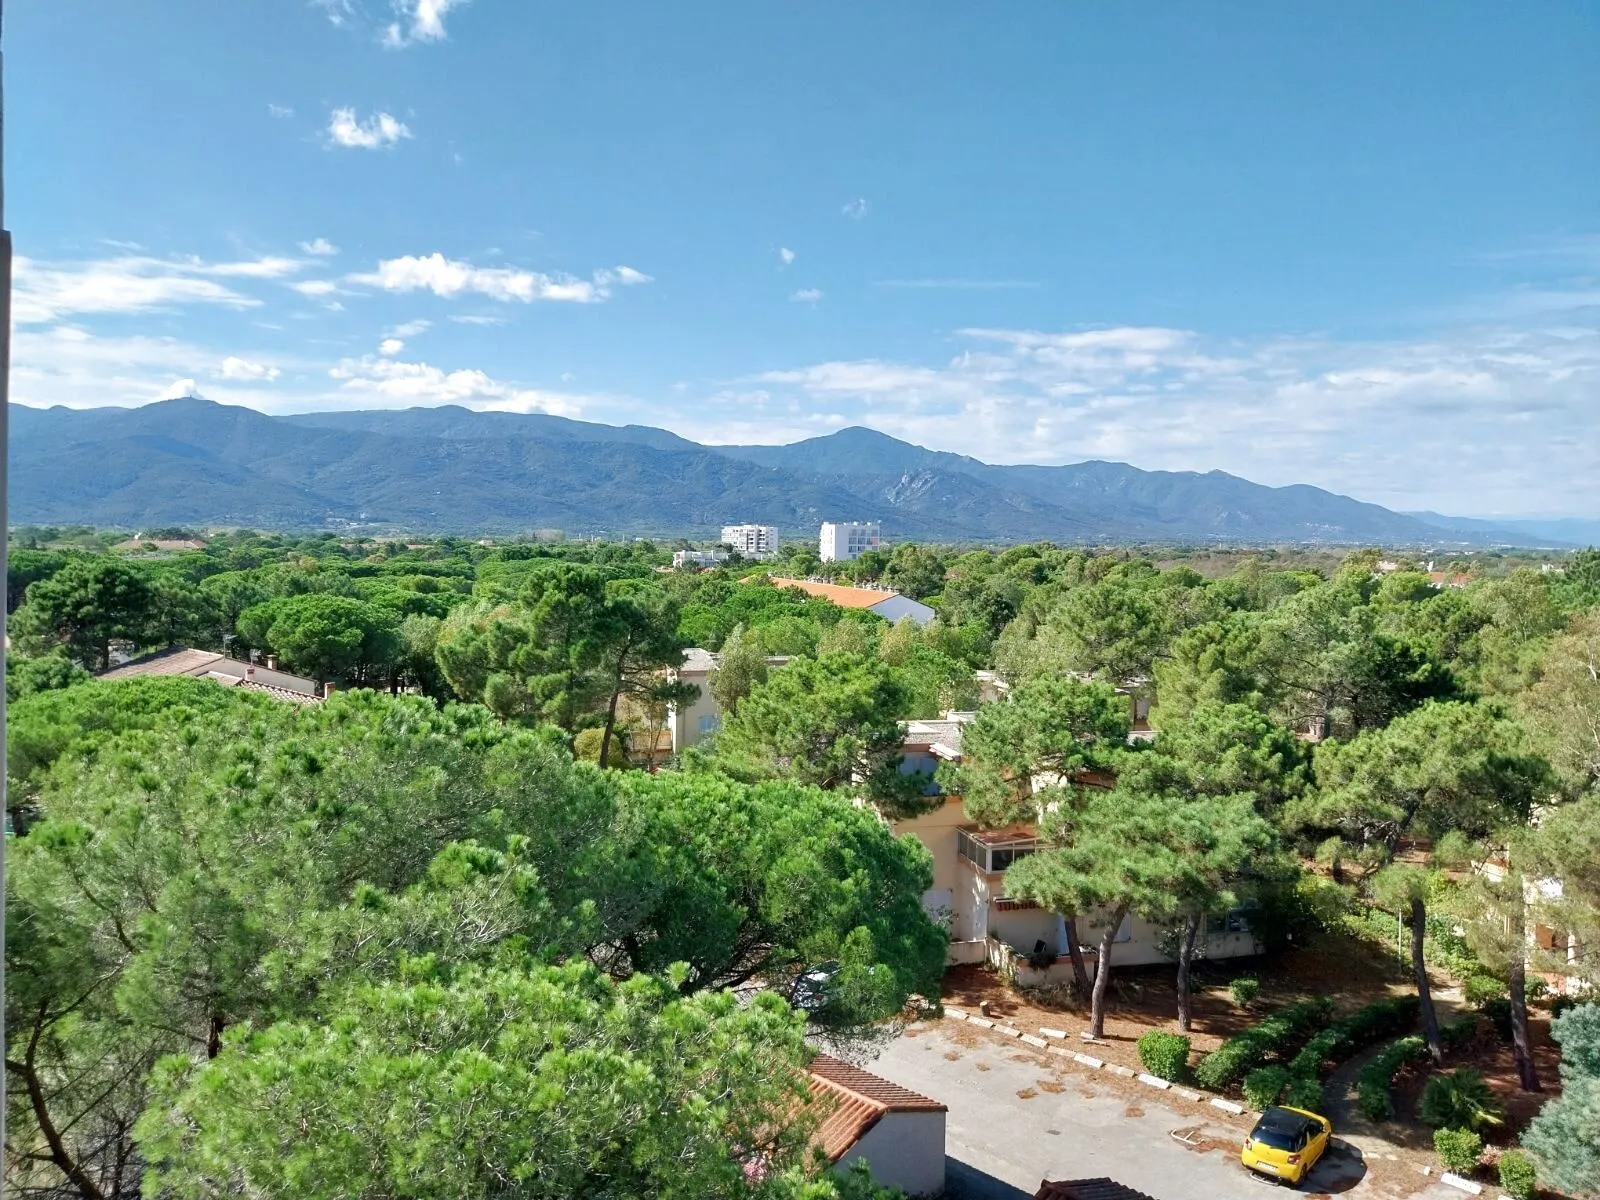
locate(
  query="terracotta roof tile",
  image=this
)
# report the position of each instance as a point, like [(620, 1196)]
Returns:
[(175, 661), (841, 594), (1087, 1189), (848, 1118), (892, 1096)]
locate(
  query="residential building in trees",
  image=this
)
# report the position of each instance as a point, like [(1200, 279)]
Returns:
[(843, 541), (752, 541), (885, 602), (898, 1133)]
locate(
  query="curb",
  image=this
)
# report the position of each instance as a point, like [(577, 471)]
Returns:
[(955, 1014), (1466, 1185), (1059, 1034), (1035, 1041), (1228, 1106), (1187, 1094), (1086, 1060), (1007, 1031), (1125, 1072), (1155, 1082), (983, 1022)]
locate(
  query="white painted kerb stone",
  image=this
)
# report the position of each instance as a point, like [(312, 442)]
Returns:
[(1155, 1082), (1466, 1185), (1228, 1106)]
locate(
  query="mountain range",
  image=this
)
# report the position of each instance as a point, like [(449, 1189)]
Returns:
[(450, 470)]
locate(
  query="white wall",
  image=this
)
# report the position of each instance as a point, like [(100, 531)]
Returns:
[(684, 720), (904, 1150), (892, 608)]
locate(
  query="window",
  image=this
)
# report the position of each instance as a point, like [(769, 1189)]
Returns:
[(708, 724), (993, 859)]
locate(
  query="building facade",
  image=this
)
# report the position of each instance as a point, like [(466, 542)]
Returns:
[(843, 541), (698, 558), (752, 541)]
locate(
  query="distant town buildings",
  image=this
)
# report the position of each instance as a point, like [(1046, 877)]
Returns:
[(698, 558), (843, 541), (752, 541)]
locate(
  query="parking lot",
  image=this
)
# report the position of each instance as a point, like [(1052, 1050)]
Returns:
[(1018, 1116)]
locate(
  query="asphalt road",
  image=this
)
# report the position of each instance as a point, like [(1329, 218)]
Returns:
[(1016, 1118)]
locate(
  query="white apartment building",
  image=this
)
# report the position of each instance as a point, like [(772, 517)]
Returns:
[(698, 558), (843, 541), (752, 541)]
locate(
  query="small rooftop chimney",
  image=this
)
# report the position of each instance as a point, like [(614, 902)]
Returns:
[(272, 662), (327, 690)]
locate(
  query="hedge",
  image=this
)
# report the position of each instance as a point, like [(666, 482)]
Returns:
[(1245, 1051), (1264, 1085), (1517, 1175), (1164, 1055), (1372, 1088), (1361, 1028), (1458, 1149)]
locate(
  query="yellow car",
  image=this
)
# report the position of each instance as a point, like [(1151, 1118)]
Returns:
[(1286, 1143)]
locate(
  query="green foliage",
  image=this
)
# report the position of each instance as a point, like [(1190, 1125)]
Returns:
[(1304, 1092), (1577, 1032), (1361, 1028), (450, 1088), (1264, 1085), (741, 666), (1244, 990), (832, 722), (1164, 1055), (1564, 1139), (326, 636), (586, 748), (1498, 1010), (1458, 1149), (1459, 1099), (82, 608), (1372, 1088), (1518, 1177), (49, 673), (1479, 989), (1272, 1037)]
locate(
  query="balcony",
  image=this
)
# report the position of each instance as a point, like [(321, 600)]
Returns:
[(993, 850)]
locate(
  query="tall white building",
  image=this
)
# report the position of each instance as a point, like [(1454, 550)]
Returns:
[(845, 540), (752, 541)]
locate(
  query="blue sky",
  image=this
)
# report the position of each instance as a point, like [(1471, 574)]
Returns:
[(1349, 244)]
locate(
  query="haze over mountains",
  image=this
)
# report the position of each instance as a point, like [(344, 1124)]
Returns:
[(192, 461)]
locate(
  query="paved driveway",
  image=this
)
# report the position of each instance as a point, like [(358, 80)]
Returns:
[(1016, 1118)]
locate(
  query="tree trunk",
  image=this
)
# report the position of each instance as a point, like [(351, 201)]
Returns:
[(1191, 930), (214, 1035), (611, 715), (1521, 1043), (1102, 975), (1080, 973), (1419, 970), (74, 1171)]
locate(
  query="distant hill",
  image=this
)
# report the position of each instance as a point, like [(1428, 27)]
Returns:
[(448, 469)]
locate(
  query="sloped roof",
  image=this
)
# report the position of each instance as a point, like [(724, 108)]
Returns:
[(229, 672), (841, 594), (1088, 1189), (178, 660), (858, 1100)]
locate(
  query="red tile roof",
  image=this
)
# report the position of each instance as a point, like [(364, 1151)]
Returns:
[(1087, 1189), (858, 1100), (841, 594)]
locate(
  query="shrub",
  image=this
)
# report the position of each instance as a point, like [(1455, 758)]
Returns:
[(1244, 991), (1459, 1100), (1498, 1010), (1479, 989), (1252, 1047), (1361, 1028), (1561, 1004), (1264, 1085), (1304, 1092), (1164, 1055), (1518, 1179), (1536, 988), (1372, 1088), (1459, 1149), (1455, 1034), (1308, 1063)]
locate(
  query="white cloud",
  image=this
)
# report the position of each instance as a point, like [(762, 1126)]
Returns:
[(377, 132), (477, 319), (448, 278), (785, 255), (319, 246), (420, 21), (243, 369), (857, 209), (47, 292), (314, 288), (389, 347), (410, 329), (279, 111), (400, 384), (180, 389), (338, 12), (807, 295)]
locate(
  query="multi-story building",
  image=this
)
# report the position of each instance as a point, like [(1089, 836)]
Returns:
[(752, 541), (699, 558), (843, 541)]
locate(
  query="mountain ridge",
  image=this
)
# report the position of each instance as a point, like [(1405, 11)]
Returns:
[(453, 470)]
